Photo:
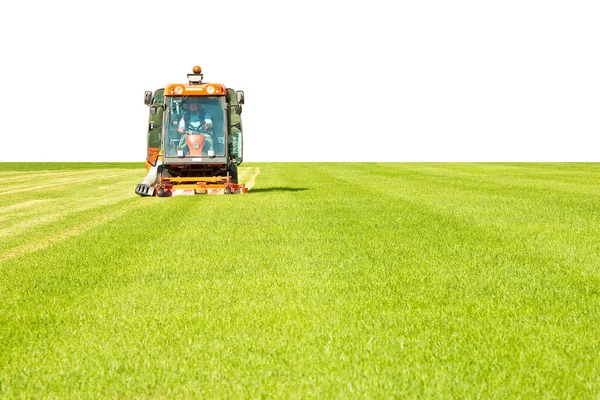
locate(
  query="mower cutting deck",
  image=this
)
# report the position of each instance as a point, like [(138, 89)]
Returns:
[(169, 187)]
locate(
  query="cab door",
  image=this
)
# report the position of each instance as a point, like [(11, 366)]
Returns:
[(236, 138), (155, 121)]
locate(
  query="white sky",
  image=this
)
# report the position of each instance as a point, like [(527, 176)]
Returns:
[(324, 80)]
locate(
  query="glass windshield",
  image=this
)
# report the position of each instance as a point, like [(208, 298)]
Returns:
[(195, 127)]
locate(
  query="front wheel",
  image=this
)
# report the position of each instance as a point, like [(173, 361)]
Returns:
[(233, 173)]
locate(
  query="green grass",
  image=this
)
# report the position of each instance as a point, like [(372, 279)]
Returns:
[(408, 280)]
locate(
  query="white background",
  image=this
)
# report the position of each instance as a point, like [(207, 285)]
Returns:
[(324, 80)]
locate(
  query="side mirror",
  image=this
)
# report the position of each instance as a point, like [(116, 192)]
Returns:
[(240, 96), (147, 98)]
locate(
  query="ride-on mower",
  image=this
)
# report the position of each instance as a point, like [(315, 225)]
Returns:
[(194, 139)]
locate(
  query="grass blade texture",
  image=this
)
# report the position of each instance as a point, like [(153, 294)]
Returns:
[(326, 280)]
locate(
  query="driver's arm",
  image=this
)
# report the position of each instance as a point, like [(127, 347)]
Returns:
[(208, 121), (181, 127)]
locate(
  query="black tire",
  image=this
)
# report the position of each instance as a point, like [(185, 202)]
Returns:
[(161, 192), (165, 173), (233, 173)]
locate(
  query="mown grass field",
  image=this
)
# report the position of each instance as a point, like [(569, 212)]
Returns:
[(417, 280)]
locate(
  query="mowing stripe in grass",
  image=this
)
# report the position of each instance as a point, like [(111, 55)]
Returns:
[(61, 182), (19, 224), (11, 178), (34, 224), (24, 205), (34, 220), (118, 211), (52, 211)]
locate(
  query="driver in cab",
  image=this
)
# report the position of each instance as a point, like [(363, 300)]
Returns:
[(196, 121)]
